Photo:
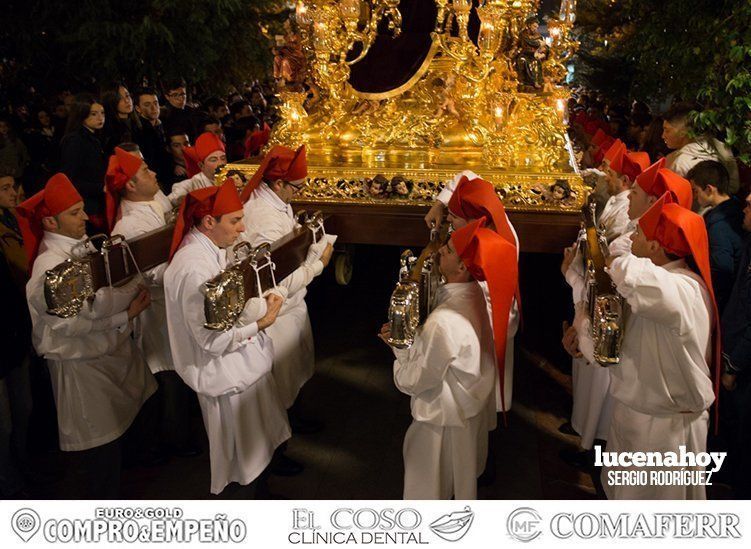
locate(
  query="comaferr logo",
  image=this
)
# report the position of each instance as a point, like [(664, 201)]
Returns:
[(641, 525), (454, 526), (524, 524)]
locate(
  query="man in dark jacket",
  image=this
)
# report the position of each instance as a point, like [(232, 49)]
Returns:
[(15, 342), (711, 184), (151, 138), (736, 378), (177, 112)]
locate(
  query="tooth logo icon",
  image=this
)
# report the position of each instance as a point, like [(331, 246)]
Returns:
[(454, 526), (25, 523)]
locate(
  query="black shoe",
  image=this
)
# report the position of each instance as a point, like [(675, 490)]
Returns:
[(578, 459), (567, 429), (303, 426), (283, 466)]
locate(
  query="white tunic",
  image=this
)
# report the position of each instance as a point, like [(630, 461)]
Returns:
[(135, 219), (267, 218), (662, 385), (449, 372), (98, 376), (181, 188), (230, 371), (514, 317), (592, 402), (614, 217)]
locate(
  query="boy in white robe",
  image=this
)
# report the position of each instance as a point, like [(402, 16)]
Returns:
[(450, 370), (136, 206), (230, 370), (202, 161), (592, 400), (592, 405), (662, 387), (99, 378)]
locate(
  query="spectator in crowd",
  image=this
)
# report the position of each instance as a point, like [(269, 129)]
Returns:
[(121, 123), (217, 108), (652, 142), (241, 125), (151, 138), (689, 149), (724, 220), (43, 141), (177, 140), (211, 125), (60, 116), (177, 112), (14, 157), (638, 125), (82, 157), (15, 340), (258, 102), (736, 343)]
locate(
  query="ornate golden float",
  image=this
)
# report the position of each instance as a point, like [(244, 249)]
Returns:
[(382, 142)]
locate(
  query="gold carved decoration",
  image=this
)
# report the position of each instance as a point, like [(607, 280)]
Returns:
[(465, 108)]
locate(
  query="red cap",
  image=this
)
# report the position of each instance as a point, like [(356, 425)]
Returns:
[(615, 151), (633, 164), (657, 180), (679, 187), (599, 154), (491, 258), (599, 138), (121, 169), (206, 144), (592, 126), (279, 163), (477, 198), (58, 195), (646, 179), (683, 233), (191, 161), (257, 141), (216, 201)]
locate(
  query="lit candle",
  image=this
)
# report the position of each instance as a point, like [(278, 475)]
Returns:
[(560, 106), (498, 114)]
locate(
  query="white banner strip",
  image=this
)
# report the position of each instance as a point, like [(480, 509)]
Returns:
[(284, 524)]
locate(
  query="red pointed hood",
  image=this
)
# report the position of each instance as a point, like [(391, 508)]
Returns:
[(683, 233), (122, 167), (491, 258), (58, 195), (216, 201), (279, 163)]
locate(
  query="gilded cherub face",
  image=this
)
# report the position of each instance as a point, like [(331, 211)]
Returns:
[(559, 193), (238, 181)]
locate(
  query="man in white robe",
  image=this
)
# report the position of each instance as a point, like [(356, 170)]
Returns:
[(135, 200), (99, 378), (450, 370), (231, 370), (203, 160), (592, 404), (269, 217), (662, 387)]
